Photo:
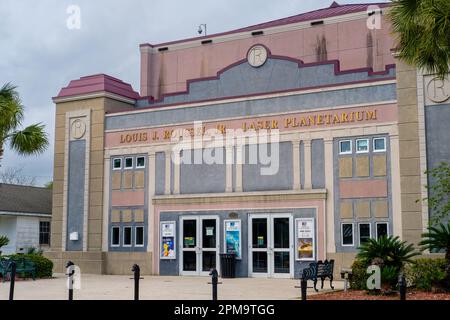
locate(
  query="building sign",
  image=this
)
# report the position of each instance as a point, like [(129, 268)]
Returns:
[(305, 239), (297, 121), (438, 90), (233, 237), (167, 240)]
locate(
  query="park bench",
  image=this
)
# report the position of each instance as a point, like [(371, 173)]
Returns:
[(23, 266), (319, 270)]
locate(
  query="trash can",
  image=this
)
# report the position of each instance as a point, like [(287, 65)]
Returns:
[(228, 265)]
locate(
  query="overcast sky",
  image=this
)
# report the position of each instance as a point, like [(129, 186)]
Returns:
[(39, 54)]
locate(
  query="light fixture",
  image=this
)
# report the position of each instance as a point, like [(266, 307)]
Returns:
[(201, 27)]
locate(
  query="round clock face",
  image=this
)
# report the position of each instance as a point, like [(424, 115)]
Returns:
[(257, 56)]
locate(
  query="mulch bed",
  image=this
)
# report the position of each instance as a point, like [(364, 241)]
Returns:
[(363, 295)]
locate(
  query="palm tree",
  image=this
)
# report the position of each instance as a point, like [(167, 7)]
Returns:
[(28, 141), (387, 251), (422, 28), (438, 238)]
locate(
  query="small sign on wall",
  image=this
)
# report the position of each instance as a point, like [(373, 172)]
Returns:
[(305, 239), (167, 240), (233, 239)]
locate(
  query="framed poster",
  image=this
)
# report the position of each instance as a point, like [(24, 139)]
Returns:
[(232, 237), (306, 239), (167, 240)]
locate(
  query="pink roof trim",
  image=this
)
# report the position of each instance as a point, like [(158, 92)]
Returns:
[(332, 11), (98, 83)]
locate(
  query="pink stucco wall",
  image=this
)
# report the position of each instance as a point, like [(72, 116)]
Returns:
[(351, 42)]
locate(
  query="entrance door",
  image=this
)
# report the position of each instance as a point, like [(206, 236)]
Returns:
[(199, 245), (271, 250)]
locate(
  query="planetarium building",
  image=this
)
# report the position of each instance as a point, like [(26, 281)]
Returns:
[(286, 142)]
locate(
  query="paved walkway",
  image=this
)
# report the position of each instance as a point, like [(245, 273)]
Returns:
[(107, 287)]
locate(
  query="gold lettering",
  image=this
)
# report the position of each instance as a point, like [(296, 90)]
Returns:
[(274, 124), (303, 122), (371, 115), (287, 122), (319, 119), (155, 136), (312, 120), (344, 117), (221, 128), (328, 118), (336, 119), (294, 122), (168, 134), (359, 116)]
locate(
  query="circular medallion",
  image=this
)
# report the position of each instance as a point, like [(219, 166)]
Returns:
[(438, 90), (78, 129), (257, 56)]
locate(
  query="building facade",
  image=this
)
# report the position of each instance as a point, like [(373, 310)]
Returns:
[(173, 176), (25, 217)]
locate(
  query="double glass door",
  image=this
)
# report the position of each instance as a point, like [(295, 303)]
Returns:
[(199, 245), (271, 249)]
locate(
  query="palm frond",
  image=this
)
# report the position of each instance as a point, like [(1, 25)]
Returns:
[(11, 109), (31, 140)]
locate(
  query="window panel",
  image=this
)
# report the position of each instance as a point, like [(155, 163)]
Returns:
[(362, 145), (382, 229), (127, 236), (44, 232), (139, 241), (347, 234), (140, 162), (379, 144), (345, 147), (115, 236), (364, 232), (117, 164), (128, 163)]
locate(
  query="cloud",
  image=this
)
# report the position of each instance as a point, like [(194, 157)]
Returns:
[(40, 54)]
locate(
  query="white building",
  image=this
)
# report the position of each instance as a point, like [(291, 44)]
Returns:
[(25, 215)]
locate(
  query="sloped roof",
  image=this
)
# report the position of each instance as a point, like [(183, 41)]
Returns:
[(335, 9), (98, 83), (25, 199)]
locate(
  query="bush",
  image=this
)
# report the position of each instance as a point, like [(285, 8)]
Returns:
[(425, 274), (358, 280), (44, 266)]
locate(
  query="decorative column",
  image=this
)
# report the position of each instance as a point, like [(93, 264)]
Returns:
[(229, 168), (168, 159), (151, 193), (307, 149), (329, 185), (296, 163), (239, 162)]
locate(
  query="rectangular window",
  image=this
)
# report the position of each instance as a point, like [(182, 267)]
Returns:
[(129, 163), (139, 237), (140, 162), (44, 232), (115, 236), (127, 236), (345, 147), (364, 233), (382, 229), (347, 234), (379, 144), (362, 145), (117, 164)]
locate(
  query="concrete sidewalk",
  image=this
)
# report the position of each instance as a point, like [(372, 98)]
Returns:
[(107, 287)]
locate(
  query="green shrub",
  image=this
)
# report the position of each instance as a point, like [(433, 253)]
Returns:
[(44, 266), (425, 274), (358, 280)]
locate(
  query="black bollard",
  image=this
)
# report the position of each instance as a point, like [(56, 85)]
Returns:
[(303, 288), (214, 281), (12, 280), (70, 274), (137, 276), (402, 287)]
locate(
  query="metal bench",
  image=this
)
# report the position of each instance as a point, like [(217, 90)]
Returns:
[(319, 270), (23, 266)]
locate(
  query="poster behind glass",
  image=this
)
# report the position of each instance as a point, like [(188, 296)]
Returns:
[(168, 240), (233, 237), (305, 239)]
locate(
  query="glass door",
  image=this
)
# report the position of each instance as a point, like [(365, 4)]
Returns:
[(209, 245), (199, 245), (189, 246), (281, 246), (271, 246)]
